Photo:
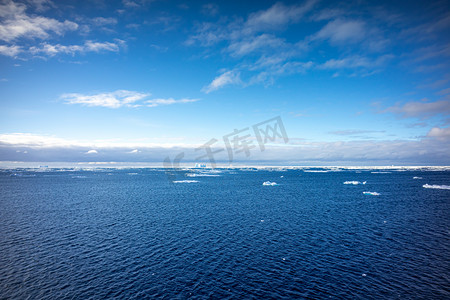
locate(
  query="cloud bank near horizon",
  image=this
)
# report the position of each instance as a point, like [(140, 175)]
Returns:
[(430, 150)]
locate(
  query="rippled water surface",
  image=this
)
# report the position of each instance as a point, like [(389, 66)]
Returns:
[(133, 234)]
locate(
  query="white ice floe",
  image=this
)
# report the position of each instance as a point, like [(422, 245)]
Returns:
[(371, 193), (435, 186), (201, 175), (185, 181), (355, 182), (269, 183), (416, 177)]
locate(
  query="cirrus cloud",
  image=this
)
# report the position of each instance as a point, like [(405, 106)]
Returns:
[(120, 98)]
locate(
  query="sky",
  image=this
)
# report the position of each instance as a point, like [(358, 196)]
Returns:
[(351, 82)]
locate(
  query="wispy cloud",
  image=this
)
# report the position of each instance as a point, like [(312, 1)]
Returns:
[(354, 62), (421, 110), (15, 23), (11, 51), (430, 150), (210, 9), (26, 34), (49, 50), (120, 98), (277, 16), (88, 46), (440, 133), (169, 101), (343, 31), (264, 53), (255, 43), (111, 100), (226, 78), (355, 132)]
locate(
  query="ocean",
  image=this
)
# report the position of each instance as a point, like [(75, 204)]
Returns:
[(223, 234)]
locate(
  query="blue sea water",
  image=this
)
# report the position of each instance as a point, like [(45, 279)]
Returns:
[(133, 234)]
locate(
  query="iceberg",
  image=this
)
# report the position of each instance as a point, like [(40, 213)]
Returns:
[(269, 183), (371, 193), (185, 181), (435, 186)]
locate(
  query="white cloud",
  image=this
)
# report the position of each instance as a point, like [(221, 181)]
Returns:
[(277, 16), (41, 5), (421, 109), (115, 99), (158, 102), (439, 133), (340, 31), (210, 9), (17, 24), (246, 46), (101, 21), (353, 62), (120, 98), (89, 46), (227, 78), (431, 150), (355, 132), (11, 51)]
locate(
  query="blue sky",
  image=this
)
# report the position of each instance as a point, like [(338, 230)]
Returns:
[(363, 82)]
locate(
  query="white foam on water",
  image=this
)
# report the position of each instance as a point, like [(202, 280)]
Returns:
[(79, 176), (381, 172), (269, 183), (435, 186), (185, 181), (371, 193), (355, 182), (416, 177)]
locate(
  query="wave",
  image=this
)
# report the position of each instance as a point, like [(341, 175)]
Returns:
[(381, 172), (355, 182), (435, 186), (269, 183), (372, 193), (417, 177), (185, 181)]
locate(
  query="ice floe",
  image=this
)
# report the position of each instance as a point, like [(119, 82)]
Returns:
[(435, 186), (371, 193), (269, 183), (201, 175), (355, 182), (185, 181)]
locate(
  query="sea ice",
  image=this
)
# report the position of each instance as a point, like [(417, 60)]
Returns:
[(371, 193), (269, 183), (435, 186)]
